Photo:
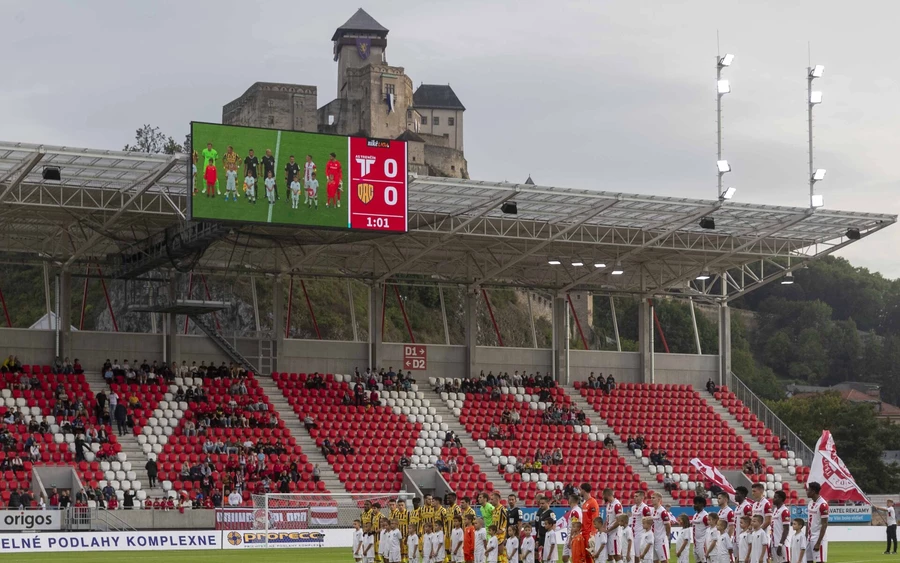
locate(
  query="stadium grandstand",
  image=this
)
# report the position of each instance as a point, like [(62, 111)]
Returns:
[(268, 413)]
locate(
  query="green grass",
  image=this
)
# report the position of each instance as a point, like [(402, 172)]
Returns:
[(869, 552), (291, 143)]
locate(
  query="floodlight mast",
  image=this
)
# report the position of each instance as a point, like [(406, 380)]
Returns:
[(722, 88), (812, 72)]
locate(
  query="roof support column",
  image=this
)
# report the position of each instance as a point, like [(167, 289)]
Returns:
[(645, 340), (471, 321), (376, 323), (64, 314), (278, 317), (724, 340), (560, 363), (172, 348)]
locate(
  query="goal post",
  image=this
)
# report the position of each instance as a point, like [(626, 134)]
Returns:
[(274, 513)]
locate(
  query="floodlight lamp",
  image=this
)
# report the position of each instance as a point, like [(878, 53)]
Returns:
[(817, 71), (577, 263), (728, 193), (815, 97), (853, 234), (723, 166), (617, 270), (723, 87), (703, 276), (599, 265), (817, 200), (788, 279), (819, 174), (554, 262), (726, 60)]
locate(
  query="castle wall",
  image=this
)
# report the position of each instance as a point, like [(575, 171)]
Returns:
[(446, 162), (443, 129), (288, 107)]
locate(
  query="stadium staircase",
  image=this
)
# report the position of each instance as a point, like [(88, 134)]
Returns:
[(304, 440), (471, 446), (642, 471), (129, 442), (749, 438), (210, 330)]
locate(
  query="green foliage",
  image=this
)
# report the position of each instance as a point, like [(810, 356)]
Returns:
[(858, 435), (151, 140)]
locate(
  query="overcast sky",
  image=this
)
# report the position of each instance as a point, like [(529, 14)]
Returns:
[(612, 95)]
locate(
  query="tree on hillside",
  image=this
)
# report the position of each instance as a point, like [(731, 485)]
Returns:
[(151, 140), (859, 436)]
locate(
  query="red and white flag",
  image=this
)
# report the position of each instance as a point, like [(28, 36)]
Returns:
[(828, 470), (714, 475)]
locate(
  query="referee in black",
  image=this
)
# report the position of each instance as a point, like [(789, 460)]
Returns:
[(291, 171), (514, 513), (543, 513), (268, 164), (251, 164)]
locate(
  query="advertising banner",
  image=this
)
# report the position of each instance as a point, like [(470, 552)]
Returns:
[(289, 539), (30, 520), (109, 541)]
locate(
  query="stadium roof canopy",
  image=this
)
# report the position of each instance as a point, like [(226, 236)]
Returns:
[(107, 201)]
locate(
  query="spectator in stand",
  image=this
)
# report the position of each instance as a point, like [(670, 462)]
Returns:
[(76, 367), (404, 463), (442, 466), (15, 499), (327, 447), (757, 466), (234, 499), (189, 428), (669, 483), (610, 384), (54, 499), (64, 500), (557, 457), (121, 416), (783, 444), (152, 471), (316, 473), (747, 467), (609, 443), (344, 447), (454, 467), (309, 423)]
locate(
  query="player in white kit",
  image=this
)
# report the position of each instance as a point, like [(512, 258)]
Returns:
[(817, 517), (700, 524), (726, 513), (357, 540), (231, 184), (550, 553), (480, 541), (250, 182), (639, 511), (613, 510), (295, 193), (394, 538), (512, 545), (646, 541), (781, 522), (597, 544), (762, 505), (683, 540), (724, 547), (797, 553), (575, 514), (527, 547), (368, 544), (312, 193), (412, 545), (456, 540), (662, 528), (270, 188), (759, 542)]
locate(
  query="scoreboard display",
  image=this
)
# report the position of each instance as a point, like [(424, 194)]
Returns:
[(254, 175), (378, 185)]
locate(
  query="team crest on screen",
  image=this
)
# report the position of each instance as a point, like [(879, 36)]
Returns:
[(365, 192)]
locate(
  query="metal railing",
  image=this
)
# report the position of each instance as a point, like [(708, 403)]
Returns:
[(762, 411)]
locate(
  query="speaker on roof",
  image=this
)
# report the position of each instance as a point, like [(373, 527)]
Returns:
[(510, 208), (51, 173)]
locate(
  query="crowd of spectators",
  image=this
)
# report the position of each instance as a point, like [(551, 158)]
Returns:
[(565, 415), (490, 383), (607, 385)]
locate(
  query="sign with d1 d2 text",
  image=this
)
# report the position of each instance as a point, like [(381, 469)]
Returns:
[(30, 520), (415, 357)]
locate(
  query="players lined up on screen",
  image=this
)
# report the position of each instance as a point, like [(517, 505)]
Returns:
[(254, 168)]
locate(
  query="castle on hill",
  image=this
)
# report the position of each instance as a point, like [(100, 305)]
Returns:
[(374, 99)]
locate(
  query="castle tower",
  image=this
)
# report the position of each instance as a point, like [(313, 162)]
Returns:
[(359, 42)]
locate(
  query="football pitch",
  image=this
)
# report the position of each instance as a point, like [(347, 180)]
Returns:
[(283, 144), (868, 552)]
